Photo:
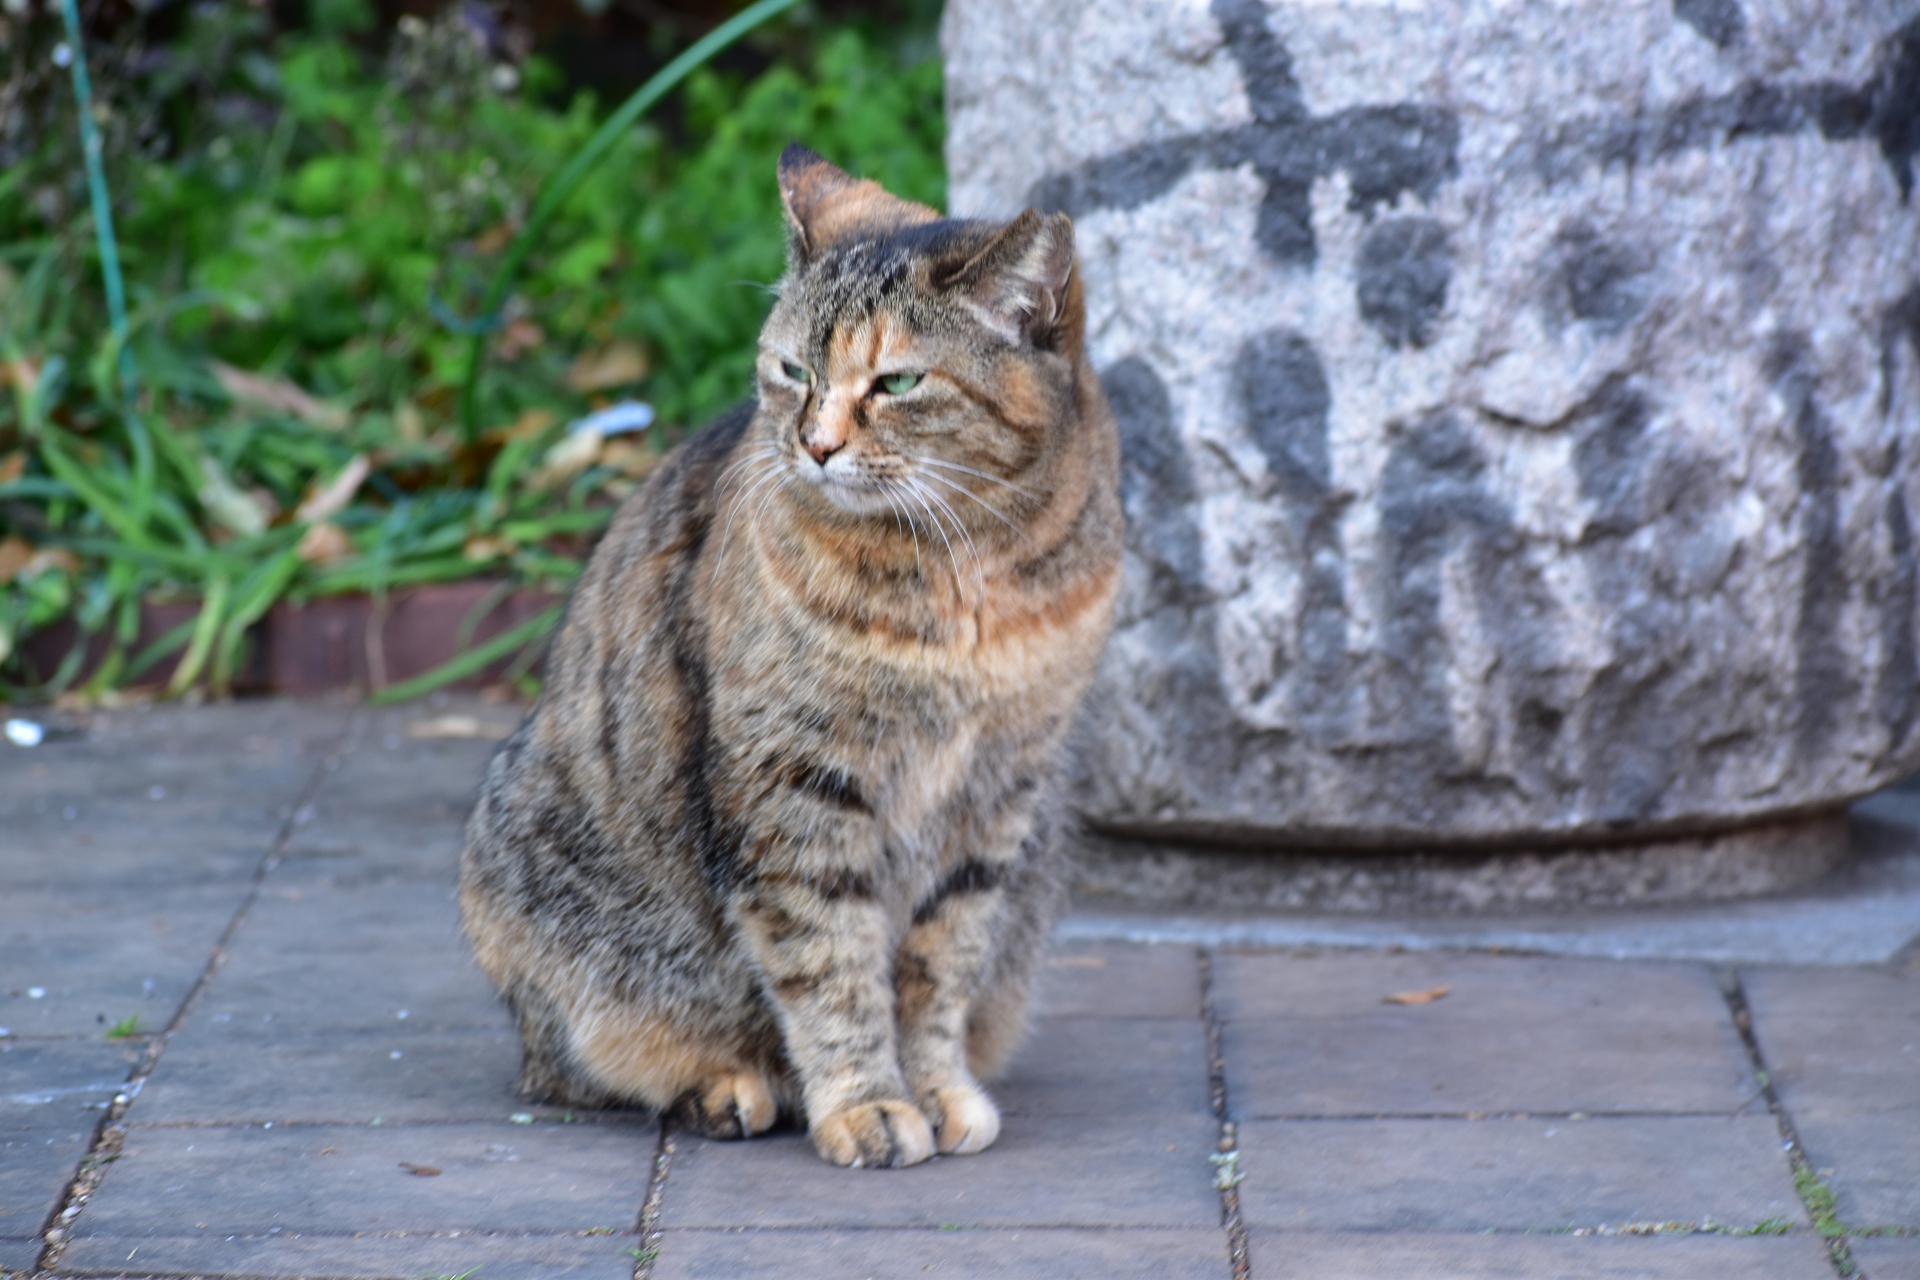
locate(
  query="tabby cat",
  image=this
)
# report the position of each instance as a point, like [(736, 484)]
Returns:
[(779, 836)]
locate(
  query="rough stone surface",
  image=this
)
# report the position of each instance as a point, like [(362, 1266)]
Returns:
[(1519, 402)]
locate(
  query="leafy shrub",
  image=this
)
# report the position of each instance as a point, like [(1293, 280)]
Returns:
[(303, 244)]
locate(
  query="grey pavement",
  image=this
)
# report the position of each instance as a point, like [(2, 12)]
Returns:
[(243, 1038)]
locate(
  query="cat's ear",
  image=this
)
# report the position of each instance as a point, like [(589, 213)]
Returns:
[(1021, 284), (824, 203)]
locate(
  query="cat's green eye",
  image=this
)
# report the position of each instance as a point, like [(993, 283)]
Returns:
[(796, 372), (898, 384)]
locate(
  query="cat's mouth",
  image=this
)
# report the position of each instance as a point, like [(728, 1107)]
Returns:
[(847, 486)]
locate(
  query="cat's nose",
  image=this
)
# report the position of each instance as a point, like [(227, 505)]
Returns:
[(822, 441)]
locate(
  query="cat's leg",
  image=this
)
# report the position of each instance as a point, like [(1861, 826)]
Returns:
[(809, 909), (963, 970)]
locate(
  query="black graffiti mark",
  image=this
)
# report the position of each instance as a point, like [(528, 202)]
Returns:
[(1408, 147), (1285, 400), (1597, 280), (1406, 265), (1898, 689), (1902, 321), (1434, 505), (1825, 682), (1721, 21), (1886, 109), (1383, 150), (1156, 482)]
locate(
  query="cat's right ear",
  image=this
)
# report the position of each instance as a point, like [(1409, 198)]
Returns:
[(1021, 284)]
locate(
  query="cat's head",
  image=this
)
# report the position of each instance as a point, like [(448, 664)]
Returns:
[(916, 366)]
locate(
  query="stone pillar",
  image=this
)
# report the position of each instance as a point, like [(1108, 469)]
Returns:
[(1520, 403)]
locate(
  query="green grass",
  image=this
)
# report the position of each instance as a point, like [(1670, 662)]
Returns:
[(125, 1029)]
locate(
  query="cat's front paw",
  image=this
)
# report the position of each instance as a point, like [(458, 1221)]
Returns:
[(889, 1134), (963, 1118), (737, 1105)]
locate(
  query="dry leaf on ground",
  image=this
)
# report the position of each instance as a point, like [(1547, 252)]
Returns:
[(1416, 997), (332, 498), (620, 362), (420, 1170), (324, 543), (15, 555), (278, 393)]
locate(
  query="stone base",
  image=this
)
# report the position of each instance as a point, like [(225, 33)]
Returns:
[(1738, 864)]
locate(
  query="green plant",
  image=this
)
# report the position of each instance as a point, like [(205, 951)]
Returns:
[(125, 1029), (295, 278)]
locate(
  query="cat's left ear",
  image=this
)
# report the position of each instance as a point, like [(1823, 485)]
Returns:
[(1021, 284)]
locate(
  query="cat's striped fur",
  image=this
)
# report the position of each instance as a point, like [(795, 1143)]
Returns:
[(778, 837)]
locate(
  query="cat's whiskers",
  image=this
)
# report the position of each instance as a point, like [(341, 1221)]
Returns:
[(919, 497), (995, 511), (771, 473), (973, 552), (890, 492), (924, 460)]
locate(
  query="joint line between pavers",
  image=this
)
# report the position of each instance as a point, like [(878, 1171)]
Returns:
[(648, 1226), (1805, 1178), (1305, 1117), (1226, 1160), (112, 1129)]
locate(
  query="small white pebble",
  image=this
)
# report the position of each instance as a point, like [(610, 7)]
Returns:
[(4, 1032), (36, 993), (520, 1117), (25, 733), (394, 1054), (267, 1125), (401, 1014)]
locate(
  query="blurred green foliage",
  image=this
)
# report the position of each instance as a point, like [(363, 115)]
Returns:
[(305, 226)]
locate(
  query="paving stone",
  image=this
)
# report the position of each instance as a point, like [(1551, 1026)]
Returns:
[(50, 1093), (1109, 1066), (480, 1255), (19, 1253), (209, 1183), (1839, 1039), (1875, 1160), (1121, 1171), (1887, 1259), (1119, 980), (1461, 1175), (1310, 1035), (106, 955), (1294, 1256), (51, 852), (966, 1255), (241, 1072), (358, 958)]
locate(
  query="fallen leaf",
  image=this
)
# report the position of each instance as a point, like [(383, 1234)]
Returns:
[(420, 1170), (615, 365), (570, 455), (630, 459), (482, 548), (518, 338), (324, 543), (1416, 997), (496, 237), (50, 558), (333, 497), (457, 727), (15, 555), (277, 393), (14, 467)]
